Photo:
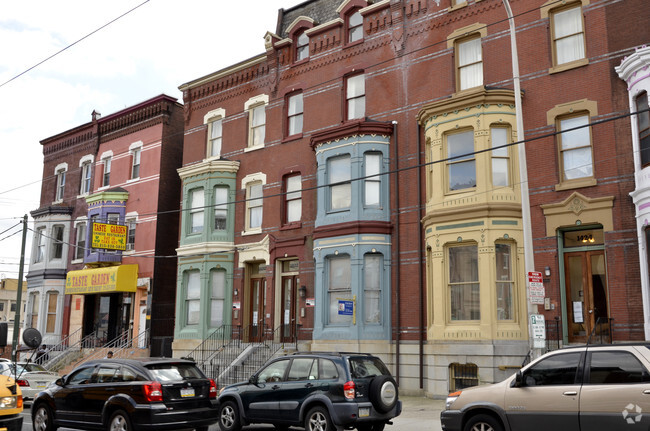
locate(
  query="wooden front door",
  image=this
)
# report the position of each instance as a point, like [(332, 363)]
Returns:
[(256, 311), (289, 287)]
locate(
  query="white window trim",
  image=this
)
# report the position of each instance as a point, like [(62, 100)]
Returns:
[(59, 168), (208, 118), (77, 222), (133, 215), (88, 158), (138, 145), (248, 179), (253, 102), (105, 155)]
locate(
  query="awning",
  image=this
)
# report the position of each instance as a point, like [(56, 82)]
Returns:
[(122, 278)]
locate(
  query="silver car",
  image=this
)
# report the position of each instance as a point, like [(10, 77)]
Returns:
[(32, 378)]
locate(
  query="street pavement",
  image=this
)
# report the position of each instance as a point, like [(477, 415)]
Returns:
[(418, 414)]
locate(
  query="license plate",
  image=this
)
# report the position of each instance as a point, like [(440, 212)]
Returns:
[(187, 392), (364, 412), (41, 384)]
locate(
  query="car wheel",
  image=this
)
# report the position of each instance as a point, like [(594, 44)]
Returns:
[(119, 421), (383, 393), (42, 419), (483, 423), (229, 417), (318, 420)]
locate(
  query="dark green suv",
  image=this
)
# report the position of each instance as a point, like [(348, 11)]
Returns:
[(317, 391)]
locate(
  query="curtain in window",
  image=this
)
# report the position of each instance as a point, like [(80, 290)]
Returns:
[(470, 63), (569, 39), (255, 206), (340, 194), (463, 282), (193, 298), (576, 148), (372, 272), (197, 204), (339, 287), (462, 169), (217, 298)]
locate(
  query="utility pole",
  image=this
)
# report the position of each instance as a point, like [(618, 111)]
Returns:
[(19, 295)]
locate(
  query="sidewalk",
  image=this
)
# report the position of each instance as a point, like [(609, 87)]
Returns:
[(418, 414)]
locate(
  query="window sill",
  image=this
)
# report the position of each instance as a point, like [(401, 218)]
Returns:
[(75, 261), (133, 180), (103, 188), (292, 138), (457, 6), (290, 226), (251, 232), (82, 196), (461, 191), (255, 148), (59, 201), (568, 66), (300, 62), (576, 184), (353, 44)]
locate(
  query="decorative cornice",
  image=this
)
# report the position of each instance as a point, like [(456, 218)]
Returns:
[(485, 210), (208, 166), (352, 128), (52, 210), (479, 99), (353, 228)]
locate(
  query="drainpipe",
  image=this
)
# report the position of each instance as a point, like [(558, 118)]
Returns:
[(397, 252), (420, 257)]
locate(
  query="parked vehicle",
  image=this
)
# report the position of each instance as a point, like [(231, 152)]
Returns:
[(604, 387), (318, 391), (128, 394), (32, 378)]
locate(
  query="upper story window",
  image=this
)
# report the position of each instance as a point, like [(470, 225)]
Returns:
[(302, 46), (469, 63), (136, 152), (294, 114), (372, 182), (192, 297), (339, 286), (461, 163), (568, 35), (197, 203), (40, 245), (504, 281), (643, 122), (355, 27), (131, 224), (50, 324), (254, 205), (86, 165), (214, 122), (220, 207), (464, 287), (256, 109), (60, 173), (355, 94), (500, 157), (293, 198), (575, 147), (340, 184), (57, 241), (106, 178), (217, 297), (80, 240), (372, 276)]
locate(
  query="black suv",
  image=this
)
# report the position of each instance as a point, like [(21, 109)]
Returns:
[(318, 391), (127, 394)]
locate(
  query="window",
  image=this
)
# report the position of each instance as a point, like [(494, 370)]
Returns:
[(215, 128), (106, 180), (609, 368), (220, 207), (86, 177), (293, 198), (50, 325), (372, 181), (135, 170), (274, 372), (575, 147), (257, 125), (355, 27), (643, 122), (372, 274), (461, 164), (505, 290), (130, 235), (197, 204), (464, 288), (470, 63), (254, 203), (80, 241), (339, 289), (302, 46), (340, 183), (40, 247), (500, 157), (462, 376), (303, 369), (12, 306), (193, 297), (568, 35), (217, 295), (60, 183), (35, 308), (356, 96), (57, 242), (295, 114), (555, 370), (82, 376)]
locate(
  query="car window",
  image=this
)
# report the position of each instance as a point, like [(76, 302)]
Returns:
[(128, 375), (31, 367), (555, 370), (301, 369), (616, 368), (328, 369), (367, 367), (174, 372), (274, 372), (107, 375), (81, 377)]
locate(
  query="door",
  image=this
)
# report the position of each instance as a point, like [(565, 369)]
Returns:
[(142, 343), (260, 399), (256, 316), (586, 293), (289, 308)]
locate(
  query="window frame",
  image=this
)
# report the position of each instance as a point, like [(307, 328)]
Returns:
[(131, 223), (376, 287), (290, 97), (459, 44), (302, 42), (292, 197), (511, 313), (335, 290), (40, 245), (351, 100), (60, 173), (50, 320), (195, 211), (562, 151), (35, 308), (220, 207), (472, 284), (449, 162), (552, 14), (643, 119), (217, 296), (106, 172), (253, 203), (80, 240), (86, 177), (371, 178), (57, 242), (192, 301), (507, 157), (136, 162), (351, 30), (345, 183)]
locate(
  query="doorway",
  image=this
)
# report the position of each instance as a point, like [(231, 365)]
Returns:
[(586, 292), (256, 300), (289, 304)]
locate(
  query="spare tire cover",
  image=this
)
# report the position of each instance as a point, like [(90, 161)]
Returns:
[(383, 393)]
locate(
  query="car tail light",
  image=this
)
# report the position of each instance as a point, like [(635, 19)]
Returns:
[(213, 389), (153, 391), (22, 382), (348, 390)]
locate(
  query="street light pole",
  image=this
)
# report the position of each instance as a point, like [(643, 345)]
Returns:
[(529, 259), (19, 294)]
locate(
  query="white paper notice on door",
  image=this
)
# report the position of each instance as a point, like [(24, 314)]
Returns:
[(577, 312)]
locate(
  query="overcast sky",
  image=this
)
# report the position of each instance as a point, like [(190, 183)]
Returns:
[(152, 50)]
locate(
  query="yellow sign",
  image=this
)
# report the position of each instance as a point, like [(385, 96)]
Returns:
[(109, 236), (122, 278)]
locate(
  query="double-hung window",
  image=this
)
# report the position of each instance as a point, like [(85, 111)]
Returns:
[(355, 91), (464, 291), (60, 183), (372, 275), (36, 305), (500, 157), (130, 236), (293, 198), (372, 181), (504, 281), (106, 178), (135, 167), (86, 177), (220, 207), (302, 46), (339, 288), (40, 245), (294, 114), (461, 162), (355, 27), (568, 35), (217, 296), (575, 147), (192, 297), (197, 203), (340, 182), (643, 122), (254, 203), (257, 125), (470, 63), (50, 324), (80, 242), (57, 241)]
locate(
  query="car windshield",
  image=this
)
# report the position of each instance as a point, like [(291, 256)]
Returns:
[(174, 372), (361, 367), (27, 368)]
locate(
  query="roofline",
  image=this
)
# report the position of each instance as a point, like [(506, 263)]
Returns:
[(137, 106), (223, 72)]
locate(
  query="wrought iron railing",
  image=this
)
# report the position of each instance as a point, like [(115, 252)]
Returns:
[(116, 343), (602, 332)]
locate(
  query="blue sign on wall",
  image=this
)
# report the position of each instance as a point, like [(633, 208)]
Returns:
[(346, 308)]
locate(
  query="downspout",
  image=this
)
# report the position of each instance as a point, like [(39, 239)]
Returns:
[(420, 257), (396, 240)]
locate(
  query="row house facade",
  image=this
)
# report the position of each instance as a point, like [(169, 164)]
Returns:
[(357, 185), (118, 171)]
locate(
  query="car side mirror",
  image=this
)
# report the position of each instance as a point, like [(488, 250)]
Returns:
[(253, 380), (59, 381), (519, 380)]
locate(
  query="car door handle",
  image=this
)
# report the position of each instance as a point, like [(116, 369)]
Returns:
[(309, 385), (646, 392), (275, 387), (570, 393)]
